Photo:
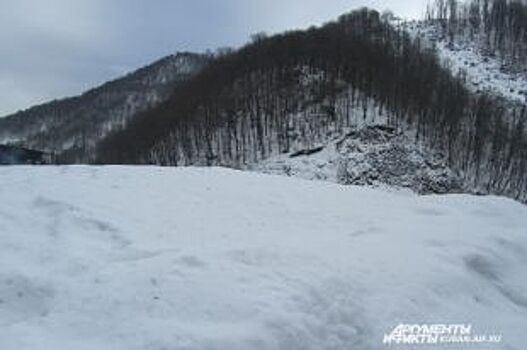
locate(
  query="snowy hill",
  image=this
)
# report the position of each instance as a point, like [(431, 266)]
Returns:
[(206, 258), (300, 90)]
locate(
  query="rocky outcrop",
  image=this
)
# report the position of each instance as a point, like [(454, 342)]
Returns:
[(373, 155)]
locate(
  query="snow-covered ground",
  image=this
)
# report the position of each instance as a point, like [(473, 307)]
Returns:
[(169, 258)]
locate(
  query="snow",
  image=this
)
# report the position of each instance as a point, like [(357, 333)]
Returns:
[(209, 258), (484, 73)]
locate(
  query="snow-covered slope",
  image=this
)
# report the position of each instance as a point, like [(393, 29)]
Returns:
[(483, 72), (172, 258)]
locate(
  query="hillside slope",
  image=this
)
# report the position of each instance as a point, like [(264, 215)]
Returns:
[(292, 91), (206, 258), (72, 127), (482, 71)]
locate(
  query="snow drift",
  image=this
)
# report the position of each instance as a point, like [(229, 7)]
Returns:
[(152, 258)]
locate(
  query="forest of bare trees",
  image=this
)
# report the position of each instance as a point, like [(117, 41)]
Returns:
[(298, 87), (499, 26)]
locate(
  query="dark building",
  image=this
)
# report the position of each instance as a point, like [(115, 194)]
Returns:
[(12, 155)]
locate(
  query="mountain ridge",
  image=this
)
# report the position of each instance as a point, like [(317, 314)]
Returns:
[(75, 124)]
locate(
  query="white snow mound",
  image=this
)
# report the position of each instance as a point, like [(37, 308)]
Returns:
[(169, 258)]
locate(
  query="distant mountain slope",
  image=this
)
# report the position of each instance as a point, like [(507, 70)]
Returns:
[(73, 126)]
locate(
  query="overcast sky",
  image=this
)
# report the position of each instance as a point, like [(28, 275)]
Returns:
[(56, 48)]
